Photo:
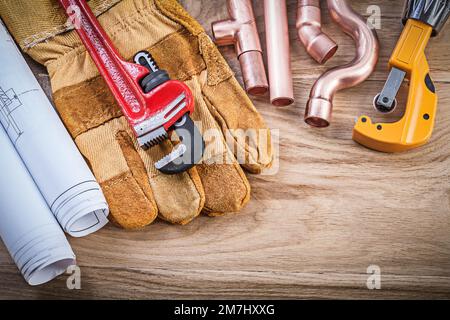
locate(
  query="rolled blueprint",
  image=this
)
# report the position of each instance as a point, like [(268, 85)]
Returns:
[(46, 148), (27, 226)]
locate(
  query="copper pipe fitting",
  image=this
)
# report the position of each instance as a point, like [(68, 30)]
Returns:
[(241, 31), (309, 27), (320, 104), (278, 53)]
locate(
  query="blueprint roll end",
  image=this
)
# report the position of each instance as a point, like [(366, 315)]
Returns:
[(44, 257), (50, 272), (82, 209)]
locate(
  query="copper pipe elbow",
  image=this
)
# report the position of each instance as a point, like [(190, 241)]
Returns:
[(241, 31), (309, 27), (278, 53), (320, 104)]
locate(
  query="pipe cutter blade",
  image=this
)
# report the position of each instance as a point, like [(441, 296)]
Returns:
[(423, 19)]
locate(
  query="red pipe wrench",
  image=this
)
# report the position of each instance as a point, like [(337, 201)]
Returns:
[(151, 102)]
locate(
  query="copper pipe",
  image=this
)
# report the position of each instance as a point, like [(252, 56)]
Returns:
[(320, 104), (309, 27), (278, 53), (240, 30)]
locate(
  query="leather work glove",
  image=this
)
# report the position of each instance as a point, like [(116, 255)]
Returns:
[(137, 193)]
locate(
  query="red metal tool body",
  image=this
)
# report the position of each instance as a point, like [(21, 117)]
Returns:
[(122, 77), (151, 110)]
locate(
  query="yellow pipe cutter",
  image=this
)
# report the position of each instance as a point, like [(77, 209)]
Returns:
[(423, 19)]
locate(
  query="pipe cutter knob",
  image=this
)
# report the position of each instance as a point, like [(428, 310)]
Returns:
[(434, 13)]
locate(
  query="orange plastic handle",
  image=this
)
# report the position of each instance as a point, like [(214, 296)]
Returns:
[(416, 126)]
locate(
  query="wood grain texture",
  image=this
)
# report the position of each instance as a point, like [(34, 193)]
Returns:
[(312, 229)]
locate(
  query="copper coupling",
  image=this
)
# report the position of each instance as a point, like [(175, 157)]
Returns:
[(241, 31), (320, 104)]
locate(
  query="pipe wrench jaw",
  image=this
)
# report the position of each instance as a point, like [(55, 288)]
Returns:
[(170, 104), (151, 102), (173, 116), (166, 105), (188, 152)]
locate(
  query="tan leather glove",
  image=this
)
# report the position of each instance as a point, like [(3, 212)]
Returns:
[(135, 190)]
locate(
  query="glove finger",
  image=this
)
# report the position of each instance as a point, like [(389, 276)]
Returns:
[(85, 104), (121, 173), (180, 198), (244, 128), (113, 152), (230, 106), (226, 186)]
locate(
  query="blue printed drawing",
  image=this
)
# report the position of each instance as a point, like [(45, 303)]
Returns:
[(9, 102)]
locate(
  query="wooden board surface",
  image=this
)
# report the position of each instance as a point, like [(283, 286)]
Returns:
[(333, 209)]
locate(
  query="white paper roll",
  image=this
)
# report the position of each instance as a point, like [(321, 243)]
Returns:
[(46, 148), (28, 228)]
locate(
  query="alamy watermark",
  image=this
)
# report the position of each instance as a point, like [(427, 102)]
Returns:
[(74, 14), (374, 20), (73, 282), (374, 280), (249, 147)]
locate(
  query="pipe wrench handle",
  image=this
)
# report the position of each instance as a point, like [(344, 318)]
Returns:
[(121, 76)]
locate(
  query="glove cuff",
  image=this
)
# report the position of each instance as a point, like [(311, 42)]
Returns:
[(173, 10), (34, 22), (218, 69)]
